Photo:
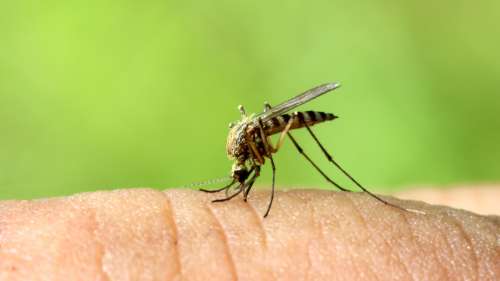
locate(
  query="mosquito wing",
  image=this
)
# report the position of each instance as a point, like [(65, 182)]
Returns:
[(296, 101)]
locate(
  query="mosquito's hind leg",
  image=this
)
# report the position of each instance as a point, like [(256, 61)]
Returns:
[(330, 159), (301, 151), (219, 189)]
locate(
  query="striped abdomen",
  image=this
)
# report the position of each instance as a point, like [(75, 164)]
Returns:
[(278, 123)]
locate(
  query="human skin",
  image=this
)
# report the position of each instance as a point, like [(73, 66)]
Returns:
[(145, 234)]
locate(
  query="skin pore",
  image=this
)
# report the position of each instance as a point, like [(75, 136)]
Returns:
[(145, 234)]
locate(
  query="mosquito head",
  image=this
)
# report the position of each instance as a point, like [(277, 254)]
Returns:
[(236, 143), (239, 172)]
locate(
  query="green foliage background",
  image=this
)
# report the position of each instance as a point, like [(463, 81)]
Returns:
[(110, 94)]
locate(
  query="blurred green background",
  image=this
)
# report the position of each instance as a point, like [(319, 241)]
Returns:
[(111, 94)]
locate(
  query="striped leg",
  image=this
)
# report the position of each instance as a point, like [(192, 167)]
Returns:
[(301, 151), (330, 159)]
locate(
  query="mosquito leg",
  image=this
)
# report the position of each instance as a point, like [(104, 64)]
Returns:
[(267, 146), (235, 186), (282, 136), (301, 151), (229, 197), (226, 192), (248, 188), (330, 158), (285, 132), (281, 139), (272, 187), (251, 182), (270, 156), (255, 151), (268, 107), (219, 189)]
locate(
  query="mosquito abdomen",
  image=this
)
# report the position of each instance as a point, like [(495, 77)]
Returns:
[(278, 123)]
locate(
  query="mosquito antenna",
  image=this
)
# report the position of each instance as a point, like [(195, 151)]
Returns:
[(208, 182), (330, 158)]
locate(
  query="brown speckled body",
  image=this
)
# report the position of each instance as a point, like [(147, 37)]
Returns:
[(249, 143), (249, 140), (247, 130)]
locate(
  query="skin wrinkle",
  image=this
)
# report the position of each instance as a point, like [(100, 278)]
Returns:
[(364, 224), (350, 250), (320, 230), (101, 249), (414, 241), (418, 245), (232, 265), (309, 259), (309, 263), (268, 237), (315, 220), (258, 218), (404, 266), (448, 247), (318, 223), (448, 271), (318, 235), (470, 246), (493, 223), (170, 217)]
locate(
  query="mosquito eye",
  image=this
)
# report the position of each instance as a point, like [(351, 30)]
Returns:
[(241, 175)]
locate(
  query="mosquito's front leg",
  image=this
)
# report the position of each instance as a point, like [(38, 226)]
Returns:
[(219, 189), (240, 189), (251, 182), (265, 140), (267, 146), (256, 152)]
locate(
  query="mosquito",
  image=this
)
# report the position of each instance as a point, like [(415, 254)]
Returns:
[(249, 143)]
